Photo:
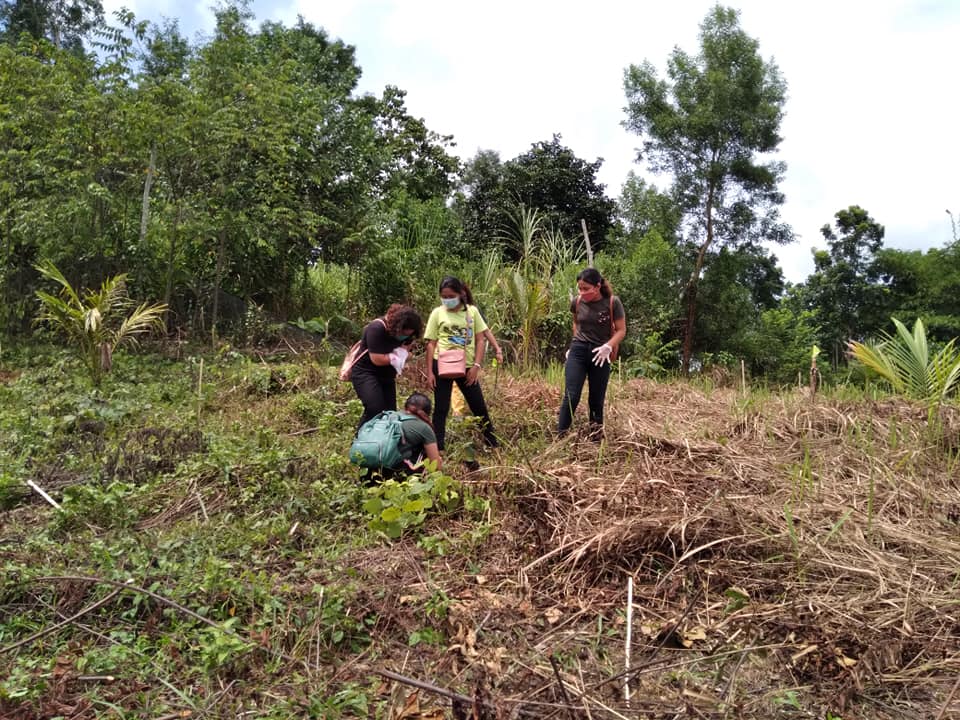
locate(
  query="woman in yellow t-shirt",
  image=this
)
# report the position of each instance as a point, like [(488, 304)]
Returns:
[(456, 325)]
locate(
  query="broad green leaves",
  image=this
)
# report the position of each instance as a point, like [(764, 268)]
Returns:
[(904, 361), (96, 321)]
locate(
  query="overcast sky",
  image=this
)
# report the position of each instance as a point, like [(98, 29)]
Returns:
[(871, 114)]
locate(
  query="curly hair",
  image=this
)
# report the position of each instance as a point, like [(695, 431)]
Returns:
[(403, 317)]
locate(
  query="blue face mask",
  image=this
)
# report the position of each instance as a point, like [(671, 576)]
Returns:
[(450, 303), (401, 338)]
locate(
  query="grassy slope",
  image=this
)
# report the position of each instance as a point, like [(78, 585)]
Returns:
[(790, 558)]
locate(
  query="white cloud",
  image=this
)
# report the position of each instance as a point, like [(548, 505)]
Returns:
[(872, 96)]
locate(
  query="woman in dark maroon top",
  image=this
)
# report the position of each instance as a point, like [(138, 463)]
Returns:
[(385, 342)]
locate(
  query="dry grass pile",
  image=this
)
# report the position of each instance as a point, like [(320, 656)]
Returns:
[(788, 557)]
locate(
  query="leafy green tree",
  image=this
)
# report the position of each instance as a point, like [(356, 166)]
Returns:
[(416, 159), (844, 289), (96, 321), (778, 347), (548, 178), (64, 23), (711, 126), (481, 201), (923, 284), (56, 155), (562, 188), (737, 287), (642, 208)]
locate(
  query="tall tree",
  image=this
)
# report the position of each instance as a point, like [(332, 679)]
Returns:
[(548, 178), (709, 126), (844, 290), (64, 23), (480, 201), (563, 188)]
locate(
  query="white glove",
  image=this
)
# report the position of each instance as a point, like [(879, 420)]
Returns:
[(601, 355), (398, 358)]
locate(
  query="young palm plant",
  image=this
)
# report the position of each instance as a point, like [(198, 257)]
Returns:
[(903, 361), (96, 322)]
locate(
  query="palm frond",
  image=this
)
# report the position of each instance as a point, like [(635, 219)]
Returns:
[(903, 361)]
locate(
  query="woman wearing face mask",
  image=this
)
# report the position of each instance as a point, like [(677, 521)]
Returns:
[(384, 344), (599, 326), (456, 328)]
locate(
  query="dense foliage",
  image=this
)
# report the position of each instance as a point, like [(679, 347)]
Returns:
[(242, 180)]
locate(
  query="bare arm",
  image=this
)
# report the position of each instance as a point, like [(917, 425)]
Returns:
[(619, 332), (432, 451), (431, 349), (474, 372), (488, 334)]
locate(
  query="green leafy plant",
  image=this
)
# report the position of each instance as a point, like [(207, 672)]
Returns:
[(395, 505), (904, 362), (96, 322)]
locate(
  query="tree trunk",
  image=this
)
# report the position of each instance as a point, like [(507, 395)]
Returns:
[(217, 280), (171, 258), (147, 184), (692, 286)]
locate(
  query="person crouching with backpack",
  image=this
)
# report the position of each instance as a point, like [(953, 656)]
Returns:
[(384, 344), (398, 443)]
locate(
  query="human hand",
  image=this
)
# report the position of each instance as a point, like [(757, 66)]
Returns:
[(601, 355), (473, 374), (398, 359), (499, 355), (431, 380)]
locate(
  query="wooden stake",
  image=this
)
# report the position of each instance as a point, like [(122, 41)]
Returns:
[(586, 239), (629, 642), (40, 491)]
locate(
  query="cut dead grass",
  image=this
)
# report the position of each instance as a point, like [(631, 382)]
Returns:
[(791, 558)]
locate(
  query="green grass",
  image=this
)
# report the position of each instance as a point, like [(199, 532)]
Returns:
[(216, 507)]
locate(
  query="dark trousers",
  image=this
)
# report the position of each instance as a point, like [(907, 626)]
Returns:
[(376, 393), (474, 397), (578, 369)]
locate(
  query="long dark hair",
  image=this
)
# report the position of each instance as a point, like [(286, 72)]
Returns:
[(459, 287), (419, 404), (400, 317), (593, 276)]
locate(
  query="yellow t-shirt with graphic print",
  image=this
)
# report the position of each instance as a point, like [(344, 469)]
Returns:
[(451, 330)]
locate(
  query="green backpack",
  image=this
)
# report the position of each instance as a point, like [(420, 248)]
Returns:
[(380, 442)]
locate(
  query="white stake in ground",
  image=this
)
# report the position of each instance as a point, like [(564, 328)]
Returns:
[(626, 652)]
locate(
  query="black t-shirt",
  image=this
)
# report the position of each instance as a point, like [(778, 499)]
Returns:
[(593, 319), (376, 339)]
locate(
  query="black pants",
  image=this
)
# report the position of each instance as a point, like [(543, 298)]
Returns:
[(375, 392), (474, 397), (578, 369)]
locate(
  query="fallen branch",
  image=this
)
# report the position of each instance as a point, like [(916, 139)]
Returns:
[(423, 685), (54, 628), (563, 689), (128, 585)]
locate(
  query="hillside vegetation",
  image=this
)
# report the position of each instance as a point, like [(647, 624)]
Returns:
[(215, 556)]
